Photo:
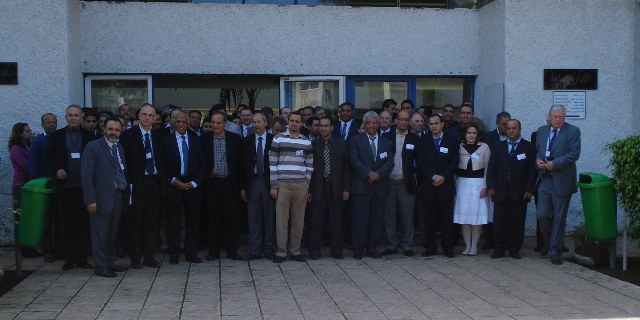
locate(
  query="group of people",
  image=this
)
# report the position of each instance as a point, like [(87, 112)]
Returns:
[(299, 174)]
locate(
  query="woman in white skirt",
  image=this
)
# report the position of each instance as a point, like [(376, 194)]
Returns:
[(472, 202)]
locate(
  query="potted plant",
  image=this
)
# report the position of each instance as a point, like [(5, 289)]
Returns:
[(588, 251), (625, 162)]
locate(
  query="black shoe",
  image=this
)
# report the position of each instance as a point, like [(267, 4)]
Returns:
[(497, 255), (408, 253), (174, 260), (314, 256), (374, 254), (387, 252), (299, 258), (556, 260), (106, 273), (449, 254), (515, 255), (49, 258), (234, 256), (152, 263), (254, 256), (429, 253), (84, 265), (117, 268), (536, 249), (278, 259), (135, 264), (194, 259), (269, 255), (212, 257), (68, 265), (357, 256), (338, 256), (565, 249)]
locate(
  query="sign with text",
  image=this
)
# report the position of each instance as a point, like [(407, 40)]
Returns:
[(575, 102), (8, 73)]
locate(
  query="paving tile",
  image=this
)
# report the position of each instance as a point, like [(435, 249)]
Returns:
[(36, 315)]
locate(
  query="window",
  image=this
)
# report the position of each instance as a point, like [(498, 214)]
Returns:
[(108, 92)]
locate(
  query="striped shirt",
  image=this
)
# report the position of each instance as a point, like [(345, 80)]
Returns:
[(290, 159)]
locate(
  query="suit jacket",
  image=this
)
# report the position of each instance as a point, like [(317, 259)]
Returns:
[(98, 172), (353, 129), (435, 161), (38, 166), (305, 131), (492, 139), (232, 144), (195, 165), (57, 153), (362, 163), (131, 140), (249, 160), (522, 163), (340, 168), (409, 150), (564, 154)]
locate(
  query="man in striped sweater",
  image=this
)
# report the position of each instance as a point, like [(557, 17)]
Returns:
[(290, 165)]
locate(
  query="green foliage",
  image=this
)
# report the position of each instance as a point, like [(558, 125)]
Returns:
[(625, 162)]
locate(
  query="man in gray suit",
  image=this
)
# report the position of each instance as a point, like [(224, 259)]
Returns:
[(558, 149), (103, 185)]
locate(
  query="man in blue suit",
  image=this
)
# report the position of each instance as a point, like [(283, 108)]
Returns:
[(371, 162), (510, 178), (558, 148), (185, 174), (347, 127), (437, 161)]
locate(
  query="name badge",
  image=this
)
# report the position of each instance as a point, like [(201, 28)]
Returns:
[(148, 155), (521, 156), (547, 154), (409, 146), (474, 156), (444, 150), (383, 155), (299, 152), (75, 155)]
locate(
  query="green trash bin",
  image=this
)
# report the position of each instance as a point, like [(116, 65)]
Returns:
[(599, 204), (34, 210)]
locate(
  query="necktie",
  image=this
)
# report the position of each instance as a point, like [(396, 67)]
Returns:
[(147, 151), (513, 146), (260, 159), (344, 131), (553, 139), (185, 154), (327, 160), (120, 181), (244, 131), (509, 163), (437, 142), (373, 148)]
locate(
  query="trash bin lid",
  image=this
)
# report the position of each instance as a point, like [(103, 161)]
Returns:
[(40, 185), (593, 180)]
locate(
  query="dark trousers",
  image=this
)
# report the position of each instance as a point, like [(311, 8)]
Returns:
[(323, 209), (75, 225), (52, 239), (508, 225), (438, 209), (142, 218), (223, 207), (367, 218), (261, 217), (190, 200), (103, 235)]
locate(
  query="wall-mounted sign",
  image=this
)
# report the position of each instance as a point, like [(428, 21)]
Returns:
[(575, 103), (8, 73), (570, 79)]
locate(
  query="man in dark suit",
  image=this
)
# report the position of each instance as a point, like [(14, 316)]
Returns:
[(146, 164), (64, 152), (558, 149), (329, 188), (185, 173), (103, 185), (371, 161), (255, 189), (400, 203), (195, 117), (246, 117), (437, 160), (493, 139), (222, 163), (510, 178), (347, 126)]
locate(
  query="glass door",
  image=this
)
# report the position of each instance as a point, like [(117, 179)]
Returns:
[(108, 92), (299, 92)]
